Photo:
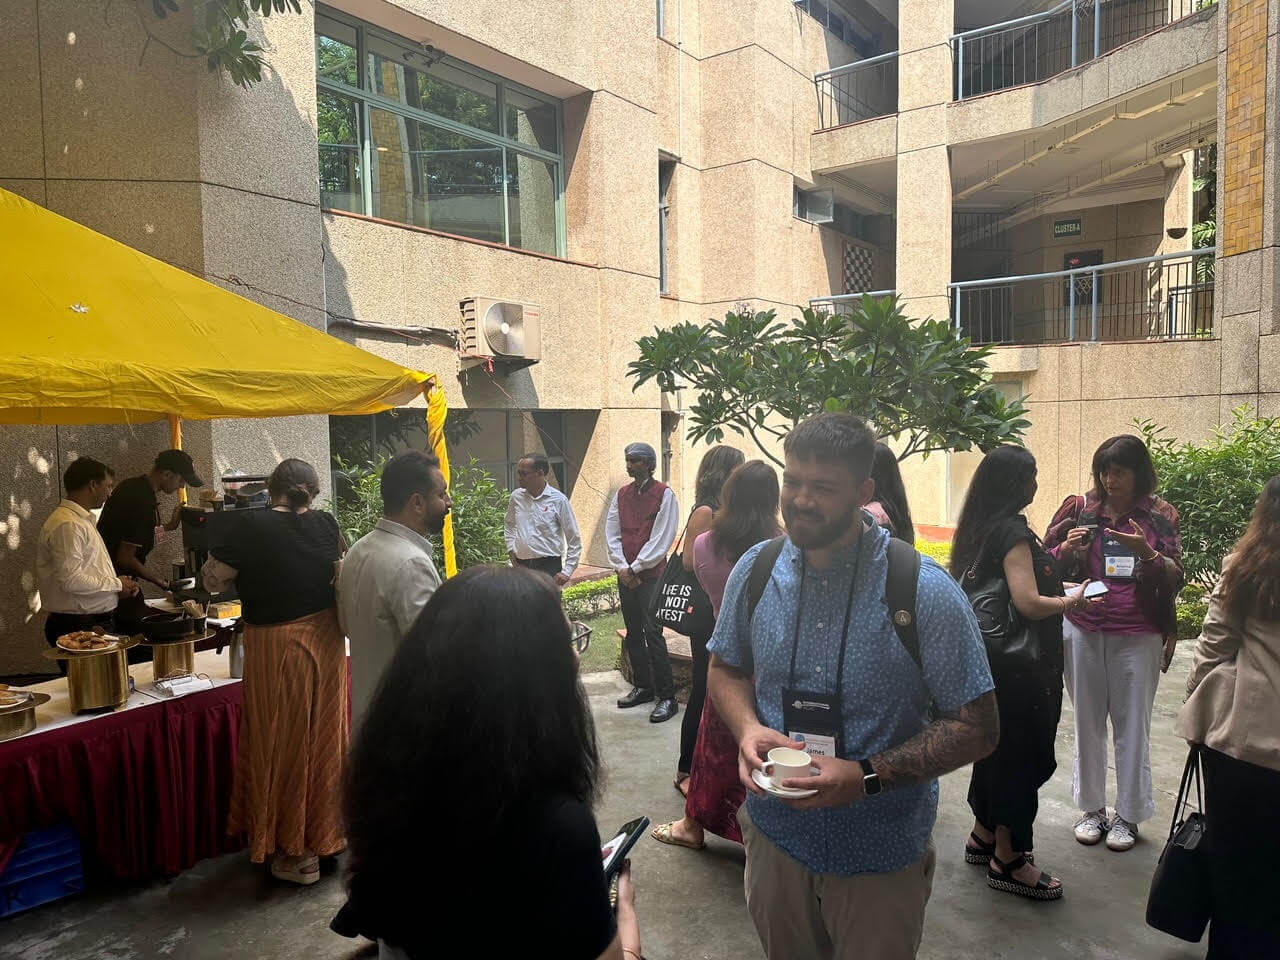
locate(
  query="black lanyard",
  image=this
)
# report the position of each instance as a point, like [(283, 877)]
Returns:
[(848, 613)]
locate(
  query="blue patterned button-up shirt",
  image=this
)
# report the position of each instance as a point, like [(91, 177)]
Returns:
[(885, 696)]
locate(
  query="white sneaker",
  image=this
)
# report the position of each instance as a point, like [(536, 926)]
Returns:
[(1091, 826), (1122, 835)]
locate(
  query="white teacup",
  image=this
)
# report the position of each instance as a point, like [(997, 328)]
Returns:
[(786, 763)]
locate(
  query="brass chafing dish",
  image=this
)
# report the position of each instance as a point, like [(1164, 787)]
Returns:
[(174, 658), (19, 718), (97, 679)]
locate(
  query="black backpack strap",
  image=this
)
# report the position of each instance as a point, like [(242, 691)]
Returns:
[(900, 594), (761, 570)]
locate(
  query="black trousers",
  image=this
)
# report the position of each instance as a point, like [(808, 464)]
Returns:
[(697, 697), (58, 624), (645, 645), (1241, 800), (548, 565)]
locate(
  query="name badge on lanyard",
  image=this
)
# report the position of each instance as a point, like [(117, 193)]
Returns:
[(816, 719), (1119, 562)]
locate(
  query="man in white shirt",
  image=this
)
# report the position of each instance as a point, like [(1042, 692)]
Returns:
[(541, 530), (642, 524), (388, 575), (79, 588)]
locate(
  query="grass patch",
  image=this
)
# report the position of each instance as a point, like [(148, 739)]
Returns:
[(606, 645)]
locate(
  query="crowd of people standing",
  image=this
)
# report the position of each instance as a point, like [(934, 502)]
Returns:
[(828, 633)]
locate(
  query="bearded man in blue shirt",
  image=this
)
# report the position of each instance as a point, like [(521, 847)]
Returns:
[(814, 660)]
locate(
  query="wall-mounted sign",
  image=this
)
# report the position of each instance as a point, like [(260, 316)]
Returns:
[(1066, 228)]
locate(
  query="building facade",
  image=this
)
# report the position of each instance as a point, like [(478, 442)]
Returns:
[(610, 167)]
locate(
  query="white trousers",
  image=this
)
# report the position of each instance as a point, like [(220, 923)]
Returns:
[(1113, 675)]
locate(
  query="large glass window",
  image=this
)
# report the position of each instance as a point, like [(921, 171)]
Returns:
[(419, 138)]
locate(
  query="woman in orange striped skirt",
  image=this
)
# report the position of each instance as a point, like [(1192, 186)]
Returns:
[(286, 795)]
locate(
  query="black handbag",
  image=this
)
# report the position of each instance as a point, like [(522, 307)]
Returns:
[(680, 602), (1011, 642), (1181, 899)]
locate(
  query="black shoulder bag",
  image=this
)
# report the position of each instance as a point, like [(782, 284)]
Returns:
[(1180, 898), (1011, 642), (680, 602)]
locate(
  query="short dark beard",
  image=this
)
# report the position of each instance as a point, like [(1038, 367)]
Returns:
[(828, 533)]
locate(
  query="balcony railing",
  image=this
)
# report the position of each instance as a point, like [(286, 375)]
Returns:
[(846, 302), (858, 91), (1036, 47), (1167, 297)]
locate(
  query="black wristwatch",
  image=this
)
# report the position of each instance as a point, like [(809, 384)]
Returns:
[(871, 784)]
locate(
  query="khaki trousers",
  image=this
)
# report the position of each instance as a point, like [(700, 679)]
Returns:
[(800, 914)]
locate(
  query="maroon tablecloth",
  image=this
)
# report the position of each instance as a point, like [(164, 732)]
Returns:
[(147, 789)]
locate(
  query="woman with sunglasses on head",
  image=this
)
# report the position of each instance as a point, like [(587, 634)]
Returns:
[(1121, 533), (471, 783)]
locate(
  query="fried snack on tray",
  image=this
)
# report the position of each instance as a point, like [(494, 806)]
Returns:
[(84, 640)]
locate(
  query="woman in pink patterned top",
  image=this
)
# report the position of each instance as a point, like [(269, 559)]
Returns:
[(1124, 535), (748, 515)]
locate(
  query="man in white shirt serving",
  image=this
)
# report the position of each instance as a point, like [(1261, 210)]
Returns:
[(642, 524), (79, 588), (388, 575), (541, 530)]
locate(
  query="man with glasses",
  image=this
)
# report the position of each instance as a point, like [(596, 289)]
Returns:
[(541, 530)]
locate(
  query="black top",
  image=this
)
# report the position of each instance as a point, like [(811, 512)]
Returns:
[(130, 516), (535, 888), (1006, 535), (286, 563)]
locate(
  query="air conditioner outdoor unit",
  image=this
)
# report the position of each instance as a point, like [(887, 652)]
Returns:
[(499, 332)]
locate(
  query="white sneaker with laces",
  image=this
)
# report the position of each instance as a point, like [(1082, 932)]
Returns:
[(1122, 835), (1091, 826)]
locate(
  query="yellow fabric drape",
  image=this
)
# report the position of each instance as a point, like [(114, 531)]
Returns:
[(98, 332), (437, 413)]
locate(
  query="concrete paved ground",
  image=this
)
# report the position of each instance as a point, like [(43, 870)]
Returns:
[(690, 904)]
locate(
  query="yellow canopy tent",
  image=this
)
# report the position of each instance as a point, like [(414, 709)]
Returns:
[(97, 332)]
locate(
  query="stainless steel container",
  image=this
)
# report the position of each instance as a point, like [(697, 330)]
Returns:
[(235, 653), (19, 718)]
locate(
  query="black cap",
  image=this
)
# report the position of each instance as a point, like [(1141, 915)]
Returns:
[(179, 461)]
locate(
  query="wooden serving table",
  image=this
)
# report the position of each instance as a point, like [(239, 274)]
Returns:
[(147, 785)]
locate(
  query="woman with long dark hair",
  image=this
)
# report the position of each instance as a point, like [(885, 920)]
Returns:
[(471, 783), (1233, 712), (293, 734), (993, 539), (1120, 532), (717, 463), (749, 515), (890, 507)]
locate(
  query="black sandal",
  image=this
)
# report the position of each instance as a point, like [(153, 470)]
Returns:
[(679, 782), (1006, 881), (979, 852)]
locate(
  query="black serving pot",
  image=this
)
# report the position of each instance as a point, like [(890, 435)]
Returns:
[(172, 626)]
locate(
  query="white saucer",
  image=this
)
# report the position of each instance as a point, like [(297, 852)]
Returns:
[(783, 793)]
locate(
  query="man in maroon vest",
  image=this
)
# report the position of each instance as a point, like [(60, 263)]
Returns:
[(643, 522)]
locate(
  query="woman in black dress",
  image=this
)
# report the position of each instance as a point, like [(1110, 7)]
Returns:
[(993, 539)]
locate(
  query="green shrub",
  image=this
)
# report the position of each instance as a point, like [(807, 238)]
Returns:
[(479, 511), (1214, 485), (591, 597), (1191, 618), (939, 550)]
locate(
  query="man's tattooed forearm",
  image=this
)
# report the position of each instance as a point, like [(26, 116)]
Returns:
[(946, 744)]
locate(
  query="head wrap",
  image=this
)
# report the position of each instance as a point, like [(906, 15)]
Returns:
[(642, 451)]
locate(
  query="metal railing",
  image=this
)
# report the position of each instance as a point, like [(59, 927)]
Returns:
[(1167, 297), (1041, 45), (846, 302), (858, 91)]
